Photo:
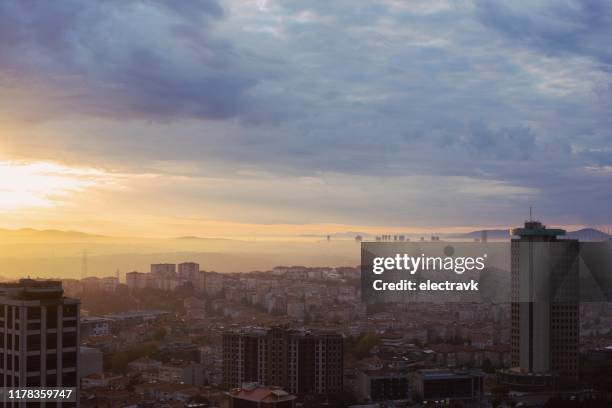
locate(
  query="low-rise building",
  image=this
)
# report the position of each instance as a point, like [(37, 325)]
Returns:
[(256, 396), (100, 380), (91, 361), (144, 364), (95, 326), (381, 385), (437, 385), (182, 372)]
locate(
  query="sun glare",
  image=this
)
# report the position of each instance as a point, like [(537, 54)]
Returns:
[(41, 184)]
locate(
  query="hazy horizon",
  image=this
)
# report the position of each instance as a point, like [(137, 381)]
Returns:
[(60, 254)]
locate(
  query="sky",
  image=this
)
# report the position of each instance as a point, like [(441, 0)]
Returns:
[(281, 117)]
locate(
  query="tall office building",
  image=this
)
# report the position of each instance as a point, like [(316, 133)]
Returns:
[(299, 361), (545, 309), (39, 335)]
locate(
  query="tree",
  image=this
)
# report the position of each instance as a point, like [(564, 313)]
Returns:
[(364, 345), (487, 366)]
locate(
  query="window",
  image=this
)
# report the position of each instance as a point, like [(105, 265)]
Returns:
[(69, 379), (51, 381), (33, 363), (69, 359), (33, 313), (70, 323), (33, 381), (34, 326), (51, 362), (51, 340), (69, 339), (33, 342), (52, 317), (70, 311)]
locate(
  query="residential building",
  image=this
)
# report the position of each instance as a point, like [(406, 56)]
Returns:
[(300, 361), (164, 269), (137, 280), (188, 270), (39, 335)]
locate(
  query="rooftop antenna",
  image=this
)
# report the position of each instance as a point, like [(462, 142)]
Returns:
[(530, 215)]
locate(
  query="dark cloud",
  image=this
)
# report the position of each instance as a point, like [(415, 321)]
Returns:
[(155, 60), (514, 96), (516, 143), (192, 8), (581, 27)]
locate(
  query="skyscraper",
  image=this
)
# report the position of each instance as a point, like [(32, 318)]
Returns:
[(545, 310), (39, 335), (302, 362)]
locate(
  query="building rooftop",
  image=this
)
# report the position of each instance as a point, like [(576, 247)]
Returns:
[(442, 374), (258, 393), (31, 289), (537, 229), (89, 350), (131, 314), (262, 331)]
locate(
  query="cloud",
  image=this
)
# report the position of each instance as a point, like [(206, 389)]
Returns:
[(580, 27), (514, 98), (156, 60)]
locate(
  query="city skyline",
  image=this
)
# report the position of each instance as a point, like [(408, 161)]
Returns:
[(306, 203), (268, 118)]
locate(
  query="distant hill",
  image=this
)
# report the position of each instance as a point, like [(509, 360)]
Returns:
[(491, 234), (35, 235), (588, 234), (584, 234), (53, 253)]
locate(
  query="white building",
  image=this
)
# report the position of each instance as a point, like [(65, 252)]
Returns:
[(213, 283), (188, 270), (109, 283), (163, 269), (137, 280), (95, 326)]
